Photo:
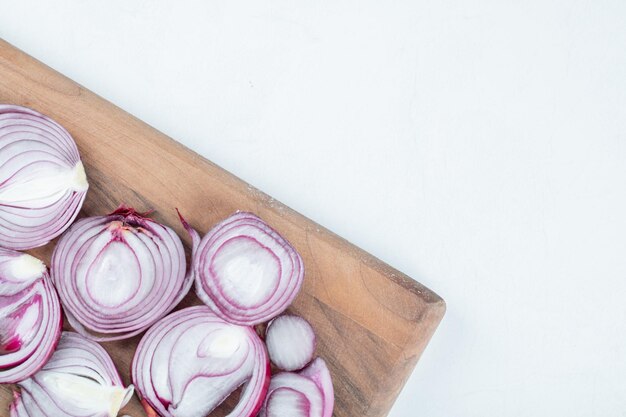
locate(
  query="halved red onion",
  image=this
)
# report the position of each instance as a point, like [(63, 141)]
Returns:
[(42, 179), (308, 393), (192, 360), (244, 270), (79, 380), (118, 274), (290, 342), (30, 316)]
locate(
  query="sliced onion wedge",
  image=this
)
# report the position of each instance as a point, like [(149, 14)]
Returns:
[(118, 274), (308, 393), (244, 270), (42, 179), (191, 361), (290, 342), (30, 316), (79, 380), (318, 372)]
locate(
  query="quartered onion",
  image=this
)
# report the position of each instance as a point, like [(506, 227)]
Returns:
[(244, 270), (30, 316), (290, 342), (118, 274), (79, 380), (192, 360), (308, 393), (42, 179)]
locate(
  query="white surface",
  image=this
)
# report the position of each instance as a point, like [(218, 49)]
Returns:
[(479, 146)]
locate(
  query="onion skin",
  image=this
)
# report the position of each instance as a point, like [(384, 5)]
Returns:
[(42, 179), (240, 253), (30, 316), (79, 380), (148, 409), (192, 360), (118, 274)]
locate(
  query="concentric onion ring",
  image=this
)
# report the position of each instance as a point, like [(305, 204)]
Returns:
[(244, 270), (80, 380), (30, 316), (118, 274), (308, 393), (191, 361), (42, 179)]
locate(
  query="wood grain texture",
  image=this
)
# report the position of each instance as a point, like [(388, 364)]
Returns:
[(372, 321)]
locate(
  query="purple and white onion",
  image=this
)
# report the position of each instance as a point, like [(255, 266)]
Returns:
[(42, 179), (118, 274), (308, 393), (244, 270), (79, 380), (30, 316), (191, 361), (290, 342)]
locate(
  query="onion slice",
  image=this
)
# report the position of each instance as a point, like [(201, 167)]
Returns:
[(30, 316), (80, 380), (290, 342), (191, 361), (244, 270), (42, 179), (308, 393), (118, 274)]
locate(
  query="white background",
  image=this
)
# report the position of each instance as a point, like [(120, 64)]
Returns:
[(478, 146)]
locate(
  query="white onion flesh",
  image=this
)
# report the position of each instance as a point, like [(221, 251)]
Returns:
[(188, 363), (290, 342), (79, 380), (118, 274), (244, 270), (288, 402), (42, 179), (30, 316), (308, 393)]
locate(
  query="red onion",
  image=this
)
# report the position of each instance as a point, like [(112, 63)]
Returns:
[(290, 342), (42, 179), (30, 316), (118, 274), (308, 393), (244, 270), (192, 360), (79, 380)]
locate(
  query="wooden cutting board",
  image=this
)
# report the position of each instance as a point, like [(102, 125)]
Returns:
[(372, 321)]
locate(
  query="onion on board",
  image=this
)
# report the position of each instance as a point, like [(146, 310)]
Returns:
[(290, 342), (42, 179), (117, 275), (30, 316), (308, 393), (191, 361), (79, 380), (244, 270)]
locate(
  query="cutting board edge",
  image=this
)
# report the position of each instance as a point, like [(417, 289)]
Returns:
[(365, 257)]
